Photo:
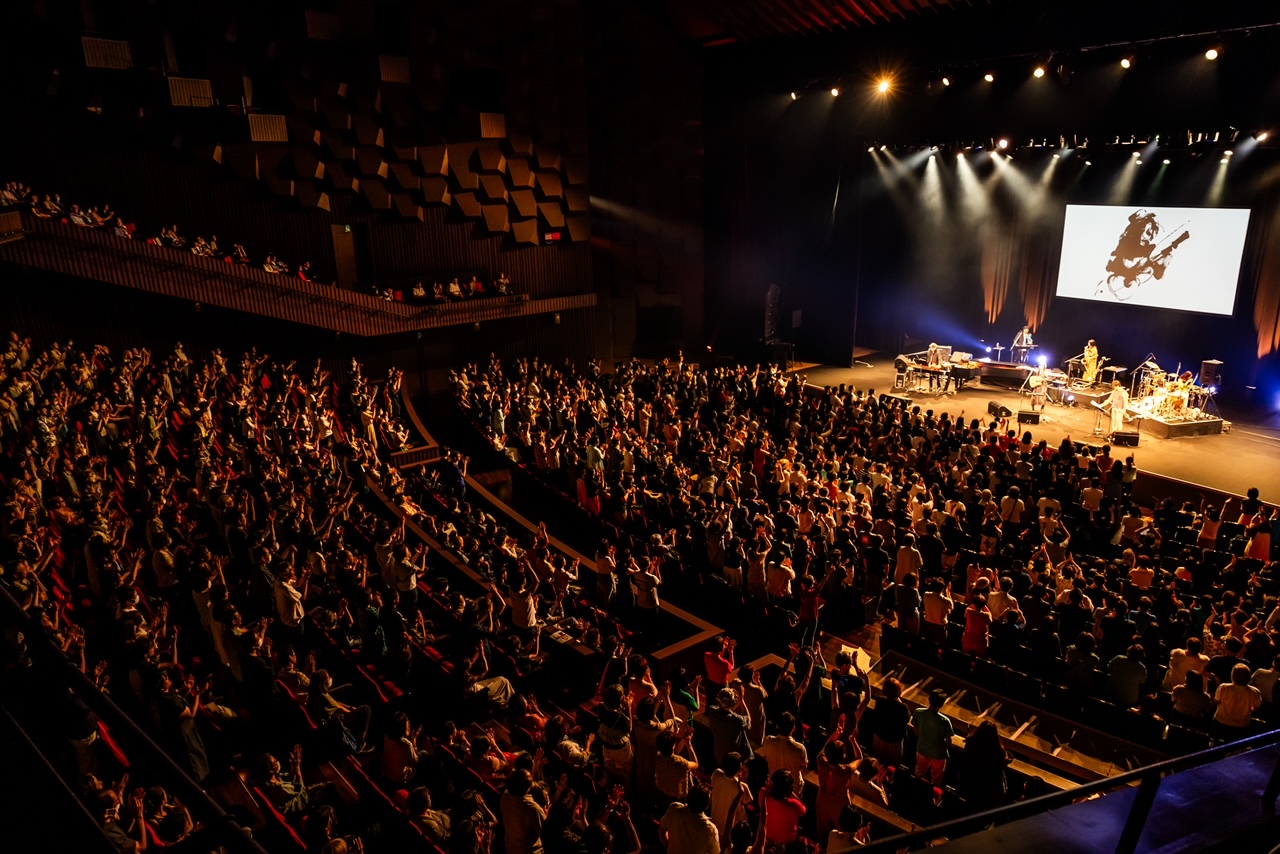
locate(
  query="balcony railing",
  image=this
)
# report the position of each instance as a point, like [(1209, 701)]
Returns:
[(102, 256)]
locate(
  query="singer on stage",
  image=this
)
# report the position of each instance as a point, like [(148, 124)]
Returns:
[(1118, 402)]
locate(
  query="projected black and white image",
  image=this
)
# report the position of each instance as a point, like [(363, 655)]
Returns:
[(1186, 259), (1141, 254)]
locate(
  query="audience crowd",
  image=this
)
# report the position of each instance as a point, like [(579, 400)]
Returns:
[(51, 206), (834, 503), (227, 550), (103, 217)]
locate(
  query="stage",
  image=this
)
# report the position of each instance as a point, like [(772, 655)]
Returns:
[(1230, 462)]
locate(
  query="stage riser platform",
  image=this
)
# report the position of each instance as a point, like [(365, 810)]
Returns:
[(1160, 429)]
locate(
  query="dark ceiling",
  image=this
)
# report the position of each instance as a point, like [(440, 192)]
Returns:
[(714, 22)]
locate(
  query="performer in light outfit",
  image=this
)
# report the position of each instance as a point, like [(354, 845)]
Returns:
[(1090, 363), (1118, 402)]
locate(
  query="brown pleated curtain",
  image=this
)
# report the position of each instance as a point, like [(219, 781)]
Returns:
[(1262, 265), (1041, 252), (1021, 250), (999, 242)]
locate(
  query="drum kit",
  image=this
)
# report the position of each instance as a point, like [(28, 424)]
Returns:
[(1160, 394)]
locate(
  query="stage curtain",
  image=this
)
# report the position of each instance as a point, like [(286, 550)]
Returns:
[(1263, 267), (999, 244), (1039, 268)]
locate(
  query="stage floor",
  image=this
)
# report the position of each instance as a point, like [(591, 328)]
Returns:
[(1231, 462)]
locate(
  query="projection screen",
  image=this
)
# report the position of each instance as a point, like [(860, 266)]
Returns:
[(1186, 259)]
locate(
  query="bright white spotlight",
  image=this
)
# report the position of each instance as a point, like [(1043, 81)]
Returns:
[(959, 155), (1261, 136), (1088, 163), (883, 86), (1042, 361), (793, 96), (1126, 63), (933, 157), (1166, 161), (1224, 160), (884, 148), (989, 77), (1038, 73), (946, 81), (835, 91), (1055, 157), (1136, 154), (1213, 389), (1228, 153), (871, 148), (988, 349), (1211, 54), (1139, 162), (1002, 144)]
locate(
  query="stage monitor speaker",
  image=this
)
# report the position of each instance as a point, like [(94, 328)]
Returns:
[(998, 411), (1210, 373), (1028, 416), (901, 364), (1125, 439)]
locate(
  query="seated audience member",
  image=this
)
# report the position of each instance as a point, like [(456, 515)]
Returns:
[(1191, 703), (288, 792), (1236, 702), (435, 822)]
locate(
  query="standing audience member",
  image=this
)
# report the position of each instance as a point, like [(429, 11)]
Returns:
[(933, 739)]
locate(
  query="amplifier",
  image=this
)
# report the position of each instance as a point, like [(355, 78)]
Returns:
[(1125, 438)]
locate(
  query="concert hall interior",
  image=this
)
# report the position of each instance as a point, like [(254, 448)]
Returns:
[(639, 426)]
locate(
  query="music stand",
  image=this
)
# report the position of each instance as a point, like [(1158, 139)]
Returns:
[(1097, 421)]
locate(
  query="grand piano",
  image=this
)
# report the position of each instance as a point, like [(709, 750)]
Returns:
[(959, 367)]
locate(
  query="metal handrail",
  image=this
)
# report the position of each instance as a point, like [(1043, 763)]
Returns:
[(1148, 778), (220, 828)]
